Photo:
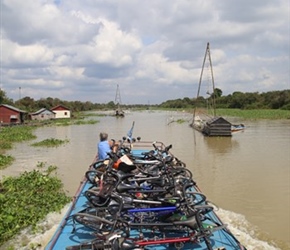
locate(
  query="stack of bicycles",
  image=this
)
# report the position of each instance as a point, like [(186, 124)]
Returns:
[(145, 198)]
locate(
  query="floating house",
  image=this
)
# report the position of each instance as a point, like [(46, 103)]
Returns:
[(217, 126), (42, 114), (210, 125), (11, 115), (61, 112)]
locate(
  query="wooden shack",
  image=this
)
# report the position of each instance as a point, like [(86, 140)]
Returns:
[(11, 115), (42, 114), (217, 126)]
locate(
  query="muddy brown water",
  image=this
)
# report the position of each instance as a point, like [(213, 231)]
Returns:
[(247, 175)]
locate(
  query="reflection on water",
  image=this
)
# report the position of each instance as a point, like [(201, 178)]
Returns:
[(221, 145), (247, 175)]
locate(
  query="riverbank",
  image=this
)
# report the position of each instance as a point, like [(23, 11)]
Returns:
[(249, 114), (253, 114)]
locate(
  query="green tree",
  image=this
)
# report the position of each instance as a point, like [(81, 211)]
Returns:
[(111, 105), (26, 103), (4, 99), (237, 100), (218, 93)]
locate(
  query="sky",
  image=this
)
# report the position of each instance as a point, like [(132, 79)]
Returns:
[(81, 50)]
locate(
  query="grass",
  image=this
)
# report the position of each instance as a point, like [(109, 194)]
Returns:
[(51, 142), (273, 114)]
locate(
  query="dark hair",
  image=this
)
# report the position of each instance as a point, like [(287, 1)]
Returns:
[(103, 136)]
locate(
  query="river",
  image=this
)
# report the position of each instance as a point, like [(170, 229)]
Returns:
[(247, 175)]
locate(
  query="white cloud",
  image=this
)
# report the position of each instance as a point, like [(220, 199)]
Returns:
[(80, 50)]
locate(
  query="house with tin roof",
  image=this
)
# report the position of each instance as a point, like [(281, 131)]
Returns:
[(42, 114), (11, 115)]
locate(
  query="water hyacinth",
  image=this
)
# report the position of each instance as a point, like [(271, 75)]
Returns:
[(27, 199)]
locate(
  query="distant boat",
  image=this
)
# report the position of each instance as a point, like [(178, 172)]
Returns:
[(118, 112), (237, 127)]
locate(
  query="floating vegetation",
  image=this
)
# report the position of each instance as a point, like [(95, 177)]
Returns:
[(181, 121), (12, 134), (4, 145), (85, 114), (51, 142), (67, 122), (27, 199), (82, 122), (5, 160)]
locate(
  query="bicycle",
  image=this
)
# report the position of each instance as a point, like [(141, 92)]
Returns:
[(116, 234)]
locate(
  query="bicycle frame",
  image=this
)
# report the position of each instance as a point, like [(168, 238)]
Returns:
[(128, 243)]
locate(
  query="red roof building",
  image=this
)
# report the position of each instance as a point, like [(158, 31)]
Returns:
[(61, 112)]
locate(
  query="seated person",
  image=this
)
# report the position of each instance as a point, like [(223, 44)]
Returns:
[(104, 146)]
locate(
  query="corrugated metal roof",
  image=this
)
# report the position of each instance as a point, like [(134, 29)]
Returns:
[(42, 110), (214, 119), (13, 108)]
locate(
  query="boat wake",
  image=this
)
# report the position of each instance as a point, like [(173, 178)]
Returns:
[(244, 231)]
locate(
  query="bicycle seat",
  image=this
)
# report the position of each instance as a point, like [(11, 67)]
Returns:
[(126, 168), (123, 176), (190, 222), (123, 187), (159, 182)]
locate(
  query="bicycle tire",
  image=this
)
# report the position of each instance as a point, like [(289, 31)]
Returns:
[(184, 172), (93, 176), (99, 165), (95, 199)]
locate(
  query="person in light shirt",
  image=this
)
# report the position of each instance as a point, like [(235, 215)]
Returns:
[(104, 146)]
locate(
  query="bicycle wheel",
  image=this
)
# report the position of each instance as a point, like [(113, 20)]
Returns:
[(93, 176), (96, 211), (100, 165), (96, 199), (182, 172)]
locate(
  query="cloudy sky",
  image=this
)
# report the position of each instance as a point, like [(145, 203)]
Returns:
[(154, 50)]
